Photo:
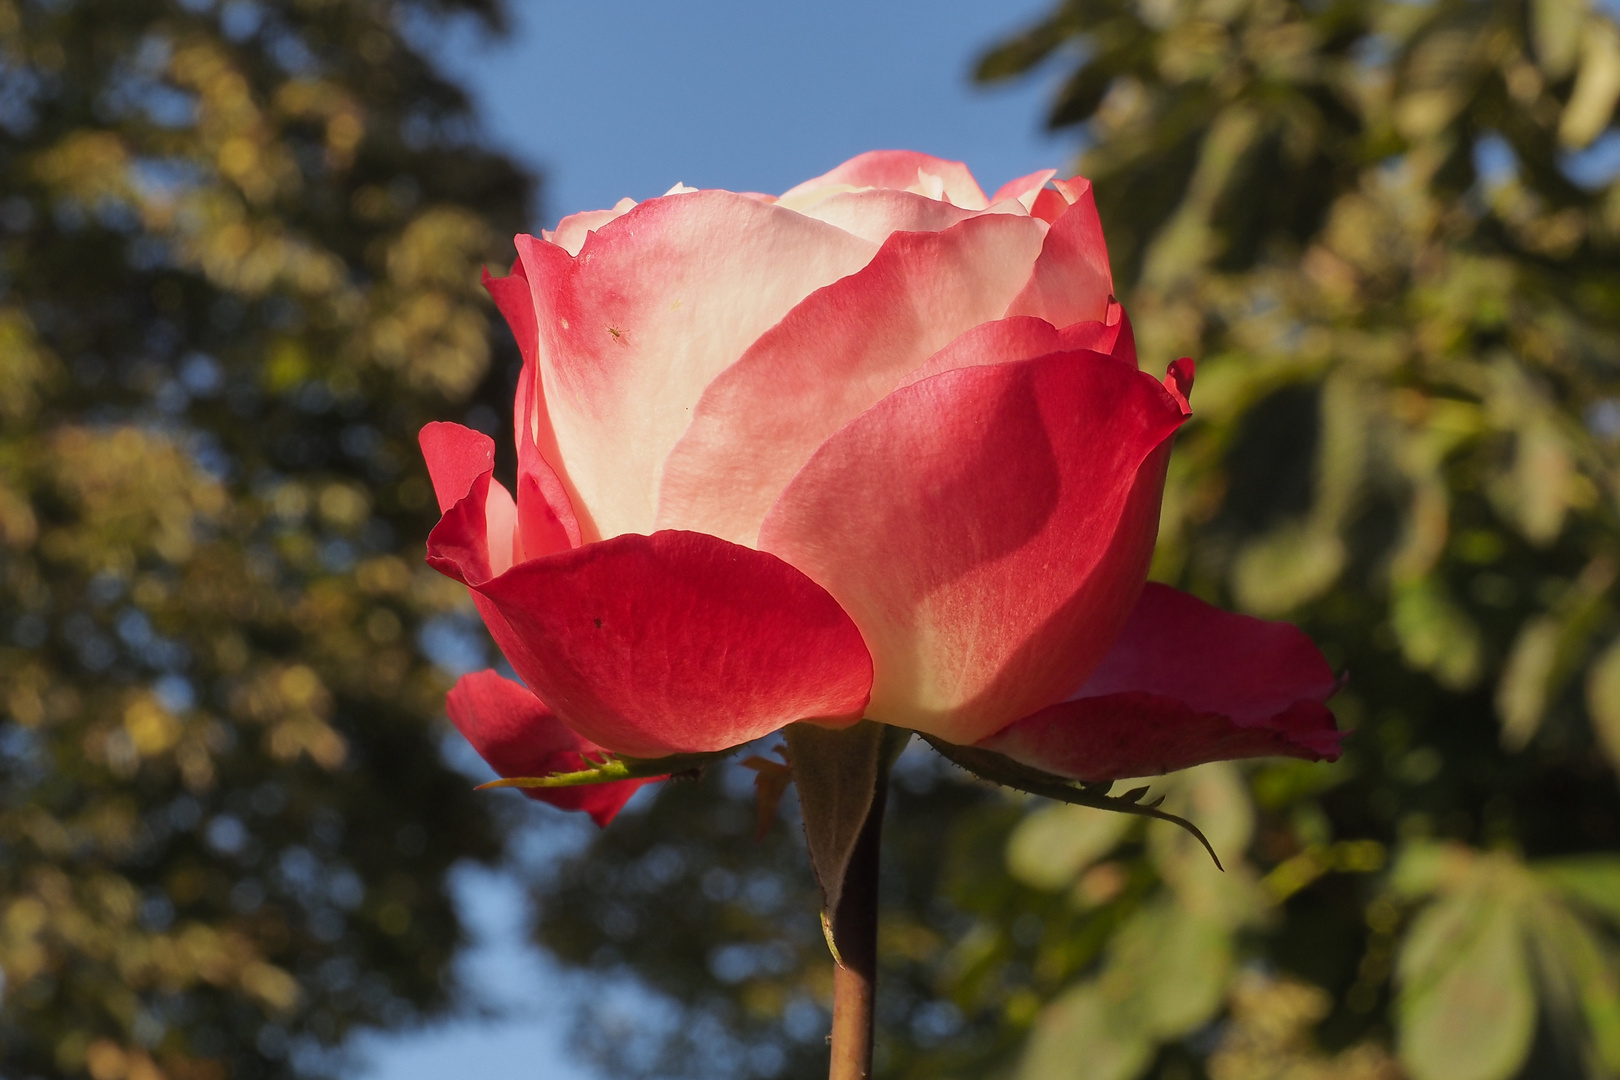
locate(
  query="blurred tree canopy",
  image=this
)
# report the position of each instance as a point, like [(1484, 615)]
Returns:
[(1390, 233), (239, 254)]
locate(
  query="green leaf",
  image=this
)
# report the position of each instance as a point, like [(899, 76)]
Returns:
[(1424, 868), (1277, 571), (1597, 85), (1521, 696), (1177, 965), (1467, 1008), (1436, 634), (1579, 977), (1080, 96), (1593, 881), (1050, 847), (1603, 701), (1084, 1036), (1555, 34), (1019, 54)]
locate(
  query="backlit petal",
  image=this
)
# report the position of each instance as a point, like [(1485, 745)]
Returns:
[(518, 736), (830, 359), (988, 530), (680, 642), (1185, 683)]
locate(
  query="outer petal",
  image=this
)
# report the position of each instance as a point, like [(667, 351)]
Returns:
[(512, 296), (479, 518), (519, 736), (657, 303), (1072, 282), (988, 530), (545, 513), (680, 642), (476, 538), (1184, 684), (831, 358), (902, 170)]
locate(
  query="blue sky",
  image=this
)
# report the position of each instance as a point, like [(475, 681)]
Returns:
[(625, 97), (609, 98)]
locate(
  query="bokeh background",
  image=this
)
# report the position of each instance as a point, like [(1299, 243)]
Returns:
[(239, 252)]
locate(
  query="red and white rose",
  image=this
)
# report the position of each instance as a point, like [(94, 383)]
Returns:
[(878, 447)]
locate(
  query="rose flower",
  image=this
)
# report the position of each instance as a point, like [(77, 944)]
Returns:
[(875, 448)]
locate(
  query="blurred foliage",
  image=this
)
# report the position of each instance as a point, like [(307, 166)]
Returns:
[(239, 252), (1390, 233)]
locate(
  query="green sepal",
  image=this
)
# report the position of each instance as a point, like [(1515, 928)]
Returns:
[(840, 774), (617, 767), (1003, 770)]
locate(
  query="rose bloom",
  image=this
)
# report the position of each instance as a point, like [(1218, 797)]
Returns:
[(877, 447)]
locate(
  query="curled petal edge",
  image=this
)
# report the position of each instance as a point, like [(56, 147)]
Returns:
[(515, 733)]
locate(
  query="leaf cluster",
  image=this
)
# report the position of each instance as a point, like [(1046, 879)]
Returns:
[(239, 250)]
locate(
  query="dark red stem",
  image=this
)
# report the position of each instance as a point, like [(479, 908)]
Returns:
[(855, 929)]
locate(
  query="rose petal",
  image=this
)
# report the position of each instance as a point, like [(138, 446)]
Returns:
[(1216, 661), (476, 537), (902, 170), (1185, 683), (545, 514), (455, 456), (546, 518), (680, 642), (1025, 189), (658, 303), (460, 545), (516, 303), (572, 230), (988, 530), (1024, 338), (1071, 282), (835, 355), (1142, 734), (875, 213), (518, 736)]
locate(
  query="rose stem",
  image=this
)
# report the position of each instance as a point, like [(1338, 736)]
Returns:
[(855, 930)]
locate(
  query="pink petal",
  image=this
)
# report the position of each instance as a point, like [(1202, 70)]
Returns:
[(1185, 683), (679, 642), (658, 303), (1025, 189), (873, 214), (1049, 205), (455, 456), (474, 541), (519, 736), (1023, 338), (571, 231), (546, 518), (903, 170), (545, 513), (512, 296), (988, 530), (1072, 282), (832, 357), (476, 537)]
